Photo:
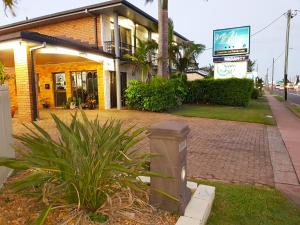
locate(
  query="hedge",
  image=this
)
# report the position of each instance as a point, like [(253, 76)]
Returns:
[(158, 95), (232, 92)]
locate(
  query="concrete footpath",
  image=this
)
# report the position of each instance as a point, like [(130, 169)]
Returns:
[(289, 127)]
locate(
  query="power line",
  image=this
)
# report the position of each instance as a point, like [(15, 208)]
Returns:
[(270, 24)]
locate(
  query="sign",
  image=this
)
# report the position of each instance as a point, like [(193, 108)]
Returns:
[(230, 70), (231, 58), (231, 41)]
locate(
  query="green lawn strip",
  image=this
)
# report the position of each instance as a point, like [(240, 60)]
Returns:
[(237, 204), (279, 98), (295, 108), (255, 112)]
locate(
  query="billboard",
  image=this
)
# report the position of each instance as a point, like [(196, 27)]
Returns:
[(230, 70), (231, 41)]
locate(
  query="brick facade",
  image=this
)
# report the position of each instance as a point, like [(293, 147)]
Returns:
[(23, 82), (45, 74), (79, 30)]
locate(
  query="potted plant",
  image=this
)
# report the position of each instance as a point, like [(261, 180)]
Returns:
[(45, 103), (91, 102), (13, 110)]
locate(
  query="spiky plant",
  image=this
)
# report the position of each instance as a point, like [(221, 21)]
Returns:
[(87, 165)]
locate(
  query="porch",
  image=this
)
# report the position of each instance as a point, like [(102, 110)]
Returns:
[(50, 72)]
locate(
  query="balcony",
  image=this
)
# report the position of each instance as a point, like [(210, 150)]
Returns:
[(109, 47)]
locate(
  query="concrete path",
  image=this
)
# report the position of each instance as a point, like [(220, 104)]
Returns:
[(289, 127)]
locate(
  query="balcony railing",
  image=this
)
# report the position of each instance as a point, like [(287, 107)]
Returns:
[(109, 47)]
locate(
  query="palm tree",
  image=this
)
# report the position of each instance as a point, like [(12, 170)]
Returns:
[(251, 65), (139, 60), (10, 4), (186, 56), (163, 24)]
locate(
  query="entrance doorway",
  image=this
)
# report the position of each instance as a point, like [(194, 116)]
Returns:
[(60, 96), (84, 85), (113, 88)]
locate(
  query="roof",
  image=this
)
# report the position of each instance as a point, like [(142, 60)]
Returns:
[(123, 7), (199, 72), (41, 38)]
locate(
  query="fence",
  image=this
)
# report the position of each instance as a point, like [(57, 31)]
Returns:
[(6, 139)]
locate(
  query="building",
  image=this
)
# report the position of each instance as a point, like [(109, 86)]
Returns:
[(75, 53), (197, 75)]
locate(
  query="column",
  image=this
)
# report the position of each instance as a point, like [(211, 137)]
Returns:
[(117, 59), (23, 82)]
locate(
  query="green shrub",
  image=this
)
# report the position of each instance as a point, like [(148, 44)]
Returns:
[(233, 91), (158, 95), (85, 167), (255, 93)]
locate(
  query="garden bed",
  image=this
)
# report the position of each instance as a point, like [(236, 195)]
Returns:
[(20, 209)]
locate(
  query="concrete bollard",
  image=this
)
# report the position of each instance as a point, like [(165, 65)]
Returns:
[(169, 140), (5, 131)]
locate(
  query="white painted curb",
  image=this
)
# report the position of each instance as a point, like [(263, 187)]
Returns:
[(199, 207)]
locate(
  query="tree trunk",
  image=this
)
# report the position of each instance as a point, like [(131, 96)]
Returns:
[(163, 55)]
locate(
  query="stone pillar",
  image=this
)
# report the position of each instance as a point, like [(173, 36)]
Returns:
[(23, 82), (117, 60), (5, 131), (169, 140)]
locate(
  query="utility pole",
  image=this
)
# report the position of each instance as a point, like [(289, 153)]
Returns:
[(273, 74), (289, 17)]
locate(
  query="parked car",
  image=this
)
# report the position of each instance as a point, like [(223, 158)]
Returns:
[(290, 86), (297, 87), (277, 86)]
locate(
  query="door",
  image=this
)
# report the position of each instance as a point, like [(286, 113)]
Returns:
[(123, 87), (113, 88), (60, 96)]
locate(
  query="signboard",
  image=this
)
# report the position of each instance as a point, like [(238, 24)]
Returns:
[(239, 58), (230, 70), (231, 41)]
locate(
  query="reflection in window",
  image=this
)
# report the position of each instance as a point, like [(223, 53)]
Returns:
[(84, 85)]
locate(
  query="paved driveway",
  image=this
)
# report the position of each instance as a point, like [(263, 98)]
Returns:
[(221, 150)]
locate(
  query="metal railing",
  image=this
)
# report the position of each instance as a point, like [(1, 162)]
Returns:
[(109, 47)]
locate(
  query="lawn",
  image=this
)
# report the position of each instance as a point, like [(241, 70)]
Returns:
[(295, 108), (251, 205), (256, 112)]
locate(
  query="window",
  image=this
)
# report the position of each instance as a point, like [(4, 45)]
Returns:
[(84, 84)]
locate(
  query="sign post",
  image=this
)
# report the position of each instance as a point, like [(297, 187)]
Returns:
[(231, 49)]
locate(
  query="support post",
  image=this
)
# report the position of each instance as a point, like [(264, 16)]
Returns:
[(273, 74), (117, 59), (289, 17), (169, 140)]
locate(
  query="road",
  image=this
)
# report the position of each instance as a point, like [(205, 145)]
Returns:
[(293, 96)]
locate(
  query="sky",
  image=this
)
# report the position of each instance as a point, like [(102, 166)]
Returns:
[(196, 20)]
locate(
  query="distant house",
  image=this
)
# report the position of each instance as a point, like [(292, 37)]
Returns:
[(75, 53), (197, 75)]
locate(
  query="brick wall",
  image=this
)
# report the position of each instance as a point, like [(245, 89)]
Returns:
[(10, 71), (46, 77), (82, 30)]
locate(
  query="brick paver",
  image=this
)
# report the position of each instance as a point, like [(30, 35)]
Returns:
[(221, 150)]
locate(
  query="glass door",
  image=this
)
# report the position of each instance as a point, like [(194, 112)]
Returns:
[(60, 96)]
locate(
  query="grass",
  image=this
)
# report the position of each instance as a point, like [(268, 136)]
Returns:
[(256, 112), (279, 98), (237, 204), (295, 108)]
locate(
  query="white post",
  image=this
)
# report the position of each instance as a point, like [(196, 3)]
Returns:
[(6, 139), (117, 60)]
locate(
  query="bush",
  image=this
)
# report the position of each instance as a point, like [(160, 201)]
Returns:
[(158, 95), (255, 93), (233, 91), (87, 165)]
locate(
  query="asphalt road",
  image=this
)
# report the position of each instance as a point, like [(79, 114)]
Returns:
[(293, 96)]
